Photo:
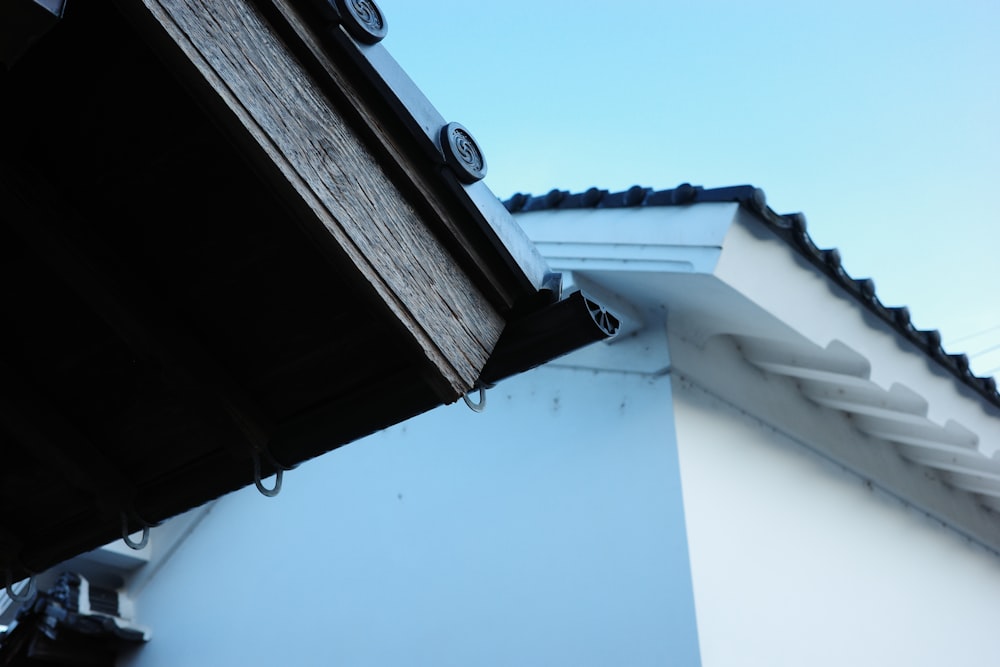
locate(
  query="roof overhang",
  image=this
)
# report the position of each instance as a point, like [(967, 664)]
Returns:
[(754, 320), (233, 236)]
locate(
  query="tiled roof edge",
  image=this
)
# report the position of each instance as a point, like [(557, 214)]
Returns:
[(789, 227)]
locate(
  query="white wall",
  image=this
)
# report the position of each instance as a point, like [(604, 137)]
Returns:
[(546, 531), (796, 561)]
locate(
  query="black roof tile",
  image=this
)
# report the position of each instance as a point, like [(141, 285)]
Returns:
[(791, 228)]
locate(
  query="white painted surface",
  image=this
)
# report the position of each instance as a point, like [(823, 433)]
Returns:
[(797, 562), (550, 530), (933, 435), (546, 531)]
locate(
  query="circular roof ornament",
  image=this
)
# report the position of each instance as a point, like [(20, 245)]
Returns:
[(363, 20), (462, 153)]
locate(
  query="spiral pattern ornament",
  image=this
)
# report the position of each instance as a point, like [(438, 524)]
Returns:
[(462, 153), (363, 20), (467, 149)]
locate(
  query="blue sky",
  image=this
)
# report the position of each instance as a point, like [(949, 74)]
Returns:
[(880, 121)]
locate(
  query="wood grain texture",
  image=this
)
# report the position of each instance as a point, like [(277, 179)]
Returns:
[(426, 181), (352, 199)]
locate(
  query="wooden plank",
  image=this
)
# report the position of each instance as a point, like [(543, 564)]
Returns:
[(419, 177), (350, 197)]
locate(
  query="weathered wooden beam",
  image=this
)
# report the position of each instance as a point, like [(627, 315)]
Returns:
[(403, 127), (350, 205)]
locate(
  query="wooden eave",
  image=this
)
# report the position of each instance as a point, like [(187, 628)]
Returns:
[(225, 234)]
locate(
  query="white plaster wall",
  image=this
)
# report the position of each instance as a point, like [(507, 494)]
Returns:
[(546, 531), (796, 561)]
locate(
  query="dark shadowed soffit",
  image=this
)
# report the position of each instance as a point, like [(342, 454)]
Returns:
[(233, 235)]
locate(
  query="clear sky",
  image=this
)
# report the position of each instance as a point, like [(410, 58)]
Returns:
[(879, 120)]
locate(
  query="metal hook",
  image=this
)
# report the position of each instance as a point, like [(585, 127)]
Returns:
[(20, 597), (276, 489), (143, 541), (481, 405)]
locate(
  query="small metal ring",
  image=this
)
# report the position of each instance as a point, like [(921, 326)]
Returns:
[(21, 597), (272, 492), (143, 541), (481, 405)]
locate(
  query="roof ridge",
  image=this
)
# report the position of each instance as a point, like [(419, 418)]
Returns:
[(637, 195), (791, 228)]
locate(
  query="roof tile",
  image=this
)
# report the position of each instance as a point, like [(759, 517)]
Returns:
[(791, 228)]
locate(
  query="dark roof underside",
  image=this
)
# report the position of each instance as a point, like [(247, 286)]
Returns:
[(160, 306), (195, 297)]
